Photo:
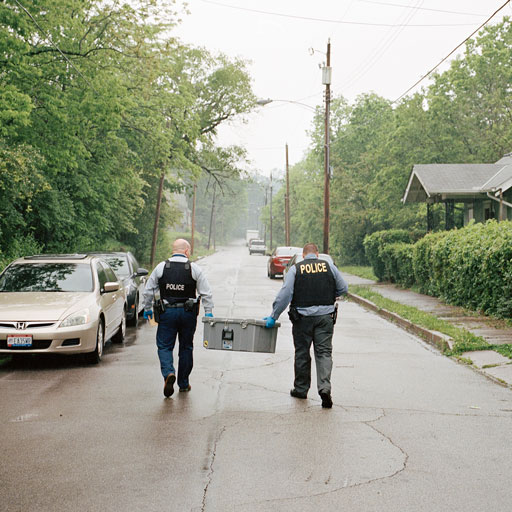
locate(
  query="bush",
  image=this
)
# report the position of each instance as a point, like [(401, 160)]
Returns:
[(421, 261), (473, 267), (374, 244), (469, 267), (398, 267), (20, 246)]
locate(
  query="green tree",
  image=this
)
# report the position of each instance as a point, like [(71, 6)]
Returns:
[(104, 101)]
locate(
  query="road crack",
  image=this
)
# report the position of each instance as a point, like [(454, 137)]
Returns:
[(346, 484), (211, 470), (404, 453)]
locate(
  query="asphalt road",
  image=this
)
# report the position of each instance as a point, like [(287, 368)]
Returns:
[(410, 430)]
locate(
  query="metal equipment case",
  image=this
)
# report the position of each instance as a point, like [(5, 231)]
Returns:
[(242, 335)]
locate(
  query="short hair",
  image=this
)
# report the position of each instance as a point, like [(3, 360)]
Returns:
[(310, 249)]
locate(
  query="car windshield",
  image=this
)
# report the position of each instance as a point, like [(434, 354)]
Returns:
[(257, 242), (287, 251), (47, 277), (118, 263)]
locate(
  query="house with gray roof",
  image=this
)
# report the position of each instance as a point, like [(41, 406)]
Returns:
[(483, 190)]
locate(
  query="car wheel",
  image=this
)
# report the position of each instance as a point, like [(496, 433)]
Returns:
[(95, 356), (272, 276), (134, 321), (120, 334)]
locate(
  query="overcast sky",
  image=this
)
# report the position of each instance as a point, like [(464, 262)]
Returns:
[(383, 46)]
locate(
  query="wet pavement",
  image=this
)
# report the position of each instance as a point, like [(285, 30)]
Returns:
[(410, 430), (495, 332)]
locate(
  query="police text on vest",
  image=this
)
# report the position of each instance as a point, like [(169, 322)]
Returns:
[(313, 268), (175, 287)]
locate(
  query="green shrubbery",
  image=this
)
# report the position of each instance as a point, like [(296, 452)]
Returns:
[(470, 267), (421, 262), (20, 246), (374, 245), (397, 258)]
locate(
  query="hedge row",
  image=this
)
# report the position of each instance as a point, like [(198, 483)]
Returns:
[(470, 267), (374, 245)]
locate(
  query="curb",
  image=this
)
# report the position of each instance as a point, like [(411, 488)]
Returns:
[(434, 338)]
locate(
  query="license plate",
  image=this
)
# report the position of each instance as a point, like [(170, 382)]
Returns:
[(19, 341)]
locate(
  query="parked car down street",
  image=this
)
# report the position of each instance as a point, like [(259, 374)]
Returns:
[(279, 258), (60, 304), (133, 279), (257, 246)]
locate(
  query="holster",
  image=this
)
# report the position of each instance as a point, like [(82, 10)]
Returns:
[(334, 314), (192, 305), (294, 315), (158, 309)]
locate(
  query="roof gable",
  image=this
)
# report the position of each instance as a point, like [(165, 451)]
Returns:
[(428, 180)]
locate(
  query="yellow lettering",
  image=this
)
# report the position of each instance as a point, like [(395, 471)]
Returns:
[(313, 268)]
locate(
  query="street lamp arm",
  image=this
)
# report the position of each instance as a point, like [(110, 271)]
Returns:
[(264, 102)]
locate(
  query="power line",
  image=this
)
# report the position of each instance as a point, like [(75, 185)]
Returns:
[(452, 52), (47, 35), (384, 44), (270, 148), (324, 20), (371, 118), (420, 8)]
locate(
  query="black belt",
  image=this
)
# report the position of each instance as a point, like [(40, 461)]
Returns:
[(177, 305)]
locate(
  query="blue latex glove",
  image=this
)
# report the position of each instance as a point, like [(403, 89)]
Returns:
[(269, 322), (209, 314), (148, 314)]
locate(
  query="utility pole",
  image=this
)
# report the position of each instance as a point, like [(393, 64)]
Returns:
[(193, 219), (211, 215), (265, 227), (326, 80), (287, 203), (270, 210), (157, 217)]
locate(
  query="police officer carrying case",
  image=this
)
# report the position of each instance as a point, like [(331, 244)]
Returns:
[(177, 289)]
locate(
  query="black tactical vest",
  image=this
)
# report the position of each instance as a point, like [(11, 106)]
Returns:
[(314, 284), (176, 283)]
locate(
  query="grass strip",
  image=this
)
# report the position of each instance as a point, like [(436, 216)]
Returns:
[(359, 271), (464, 340), (504, 350)]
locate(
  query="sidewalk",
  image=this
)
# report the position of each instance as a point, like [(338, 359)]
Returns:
[(489, 362)]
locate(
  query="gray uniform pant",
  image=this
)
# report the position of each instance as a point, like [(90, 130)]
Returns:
[(317, 330)]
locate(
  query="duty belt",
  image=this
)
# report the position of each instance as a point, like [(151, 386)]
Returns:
[(176, 305)]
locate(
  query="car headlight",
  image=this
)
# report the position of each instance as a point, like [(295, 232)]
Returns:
[(77, 318)]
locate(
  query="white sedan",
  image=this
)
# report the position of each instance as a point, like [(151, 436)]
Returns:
[(60, 304)]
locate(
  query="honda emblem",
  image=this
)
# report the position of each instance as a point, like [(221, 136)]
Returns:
[(20, 326)]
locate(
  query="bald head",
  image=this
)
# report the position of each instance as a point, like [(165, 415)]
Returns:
[(181, 246)]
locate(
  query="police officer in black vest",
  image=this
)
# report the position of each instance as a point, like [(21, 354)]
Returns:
[(179, 281), (311, 286)]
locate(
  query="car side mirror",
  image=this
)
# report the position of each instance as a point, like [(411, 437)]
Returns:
[(141, 272), (111, 286)]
